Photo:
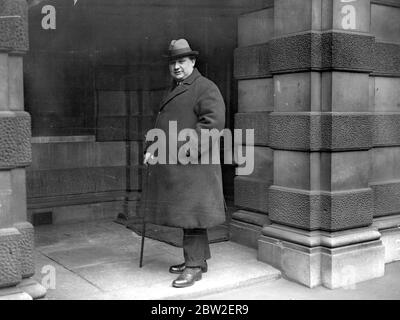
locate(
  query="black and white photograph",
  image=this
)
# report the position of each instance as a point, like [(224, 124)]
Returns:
[(218, 152)]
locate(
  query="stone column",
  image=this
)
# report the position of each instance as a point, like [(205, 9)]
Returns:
[(16, 234), (255, 103), (320, 203), (385, 97)]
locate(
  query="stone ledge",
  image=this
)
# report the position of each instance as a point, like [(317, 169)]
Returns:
[(321, 210), (320, 238), (35, 203), (387, 222), (63, 139), (332, 268), (246, 234), (391, 240), (391, 3), (31, 287), (15, 139), (320, 131), (13, 293)]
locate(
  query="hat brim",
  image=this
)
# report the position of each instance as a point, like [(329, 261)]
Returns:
[(181, 55)]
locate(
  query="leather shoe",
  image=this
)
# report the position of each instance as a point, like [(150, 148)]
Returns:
[(179, 268), (187, 278)]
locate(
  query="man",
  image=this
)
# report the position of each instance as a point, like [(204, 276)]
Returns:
[(187, 195)]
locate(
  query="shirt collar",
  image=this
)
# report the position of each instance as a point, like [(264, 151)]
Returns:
[(189, 80)]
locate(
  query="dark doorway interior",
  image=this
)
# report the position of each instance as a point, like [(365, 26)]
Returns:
[(92, 87)]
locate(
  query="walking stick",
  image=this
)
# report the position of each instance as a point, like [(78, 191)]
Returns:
[(144, 215)]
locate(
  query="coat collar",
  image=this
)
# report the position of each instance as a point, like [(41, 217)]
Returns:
[(181, 88), (195, 74)]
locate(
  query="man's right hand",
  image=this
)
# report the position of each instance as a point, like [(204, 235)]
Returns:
[(147, 157)]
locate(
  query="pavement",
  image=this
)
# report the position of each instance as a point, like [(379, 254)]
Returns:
[(99, 260)]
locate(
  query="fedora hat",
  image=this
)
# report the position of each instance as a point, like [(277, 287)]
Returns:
[(180, 48)]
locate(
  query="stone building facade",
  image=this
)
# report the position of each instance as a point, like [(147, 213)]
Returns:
[(318, 80)]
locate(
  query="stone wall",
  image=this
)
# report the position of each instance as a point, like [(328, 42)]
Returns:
[(93, 86), (16, 234)]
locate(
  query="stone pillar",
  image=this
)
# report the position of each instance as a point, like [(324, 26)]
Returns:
[(255, 102), (16, 235), (385, 96), (321, 131)]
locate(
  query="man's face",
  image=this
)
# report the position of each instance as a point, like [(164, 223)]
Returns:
[(181, 68)]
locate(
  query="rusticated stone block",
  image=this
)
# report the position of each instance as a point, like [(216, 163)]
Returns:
[(331, 211), (293, 53), (10, 265), (326, 51), (386, 130), (15, 143), (306, 52), (26, 246), (14, 25), (386, 198), (254, 120), (346, 51), (320, 131), (386, 59)]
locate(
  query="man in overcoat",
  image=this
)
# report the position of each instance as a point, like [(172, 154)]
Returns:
[(181, 194)]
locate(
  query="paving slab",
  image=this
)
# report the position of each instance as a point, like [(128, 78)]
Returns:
[(99, 260), (384, 288), (67, 285)]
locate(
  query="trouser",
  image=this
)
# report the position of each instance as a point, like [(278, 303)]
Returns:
[(196, 249)]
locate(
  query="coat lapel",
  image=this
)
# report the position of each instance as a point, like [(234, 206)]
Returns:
[(181, 88), (172, 94)]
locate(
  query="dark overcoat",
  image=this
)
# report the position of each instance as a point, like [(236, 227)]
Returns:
[(187, 195)]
